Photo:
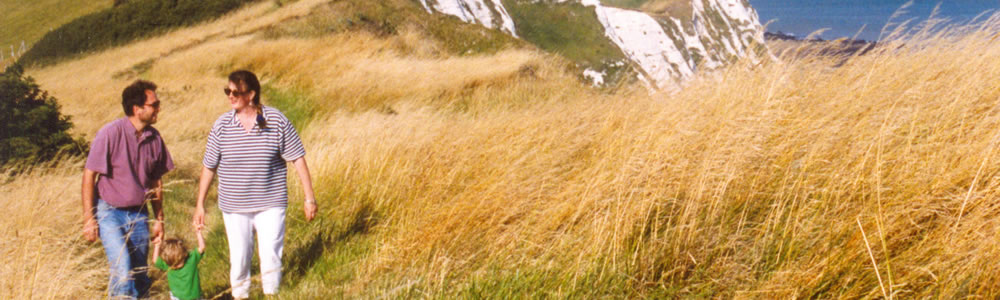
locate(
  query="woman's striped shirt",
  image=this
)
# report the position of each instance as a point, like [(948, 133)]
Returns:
[(252, 166)]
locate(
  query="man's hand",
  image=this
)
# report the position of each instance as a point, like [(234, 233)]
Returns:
[(90, 229), (157, 229), (310, 208)]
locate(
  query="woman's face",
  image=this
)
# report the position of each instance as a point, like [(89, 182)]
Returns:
[(239, 98)]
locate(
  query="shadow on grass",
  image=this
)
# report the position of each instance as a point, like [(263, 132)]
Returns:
[(305, 256)]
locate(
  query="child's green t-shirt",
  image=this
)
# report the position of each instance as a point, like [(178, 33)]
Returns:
[(184, 282)]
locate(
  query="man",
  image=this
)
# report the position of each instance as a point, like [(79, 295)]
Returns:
[(130, 157)]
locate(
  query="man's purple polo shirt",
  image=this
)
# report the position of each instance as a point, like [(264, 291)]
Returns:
[(128, 165)]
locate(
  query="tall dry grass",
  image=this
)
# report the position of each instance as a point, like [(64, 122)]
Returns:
[(756, 182), (42, 253), (876, 178)]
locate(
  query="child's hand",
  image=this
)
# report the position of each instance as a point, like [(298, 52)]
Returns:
[(200, 236), (157, 240)]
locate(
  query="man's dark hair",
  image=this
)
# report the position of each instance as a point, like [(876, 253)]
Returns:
[(135, 94)]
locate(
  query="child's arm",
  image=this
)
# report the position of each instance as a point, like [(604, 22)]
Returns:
[(156, 248), (201, 240)]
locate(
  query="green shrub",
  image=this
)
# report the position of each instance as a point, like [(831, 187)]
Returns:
[(32, 130), (121, 24)]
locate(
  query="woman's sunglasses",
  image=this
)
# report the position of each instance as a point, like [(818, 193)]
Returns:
[(229, 91)]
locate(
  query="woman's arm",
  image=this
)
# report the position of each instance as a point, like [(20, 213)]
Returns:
[(310, 206), (204, 183)]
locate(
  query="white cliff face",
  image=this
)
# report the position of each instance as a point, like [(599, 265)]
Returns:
[(717, 17), (489, 13), (645, 43), (665, 50), (718, 32)]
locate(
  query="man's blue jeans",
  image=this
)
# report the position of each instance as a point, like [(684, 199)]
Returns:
[(125, 236)]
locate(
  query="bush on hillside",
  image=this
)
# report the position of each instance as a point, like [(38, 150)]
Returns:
[(121, 24), (33, 129)]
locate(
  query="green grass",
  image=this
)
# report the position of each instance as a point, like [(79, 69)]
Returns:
[(28, 21), (570, 30), (293, 103)]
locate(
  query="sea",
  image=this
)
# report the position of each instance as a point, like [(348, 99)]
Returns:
[(862, 19)]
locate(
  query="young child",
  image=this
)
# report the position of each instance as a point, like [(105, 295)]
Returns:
[(181, 266)]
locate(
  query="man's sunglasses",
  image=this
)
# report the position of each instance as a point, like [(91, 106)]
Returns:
[(229, 91)]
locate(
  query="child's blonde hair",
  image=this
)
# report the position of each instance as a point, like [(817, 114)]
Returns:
[(174, 252)]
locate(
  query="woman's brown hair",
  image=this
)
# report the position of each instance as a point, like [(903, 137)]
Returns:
[(247, 80)]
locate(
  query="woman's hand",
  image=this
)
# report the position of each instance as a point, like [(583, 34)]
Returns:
[(310, 208), (204, 182), (307, 187)]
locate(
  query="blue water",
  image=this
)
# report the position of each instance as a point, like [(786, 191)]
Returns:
[(845, 18)]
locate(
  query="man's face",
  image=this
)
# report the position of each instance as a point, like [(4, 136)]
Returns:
[(149, 111)]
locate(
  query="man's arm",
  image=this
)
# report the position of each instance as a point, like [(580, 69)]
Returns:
[(310, 206), (90, 231), (198, 219), (157, 202)]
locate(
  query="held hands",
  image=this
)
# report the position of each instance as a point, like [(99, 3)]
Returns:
[(198, 218), (158, 229)]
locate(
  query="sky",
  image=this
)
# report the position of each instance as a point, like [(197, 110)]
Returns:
[(845, 18)]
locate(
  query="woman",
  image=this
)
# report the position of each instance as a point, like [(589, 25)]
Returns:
[(248, 147)]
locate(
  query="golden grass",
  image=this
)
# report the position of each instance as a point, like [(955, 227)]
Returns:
[(754, 182), (42, 254)]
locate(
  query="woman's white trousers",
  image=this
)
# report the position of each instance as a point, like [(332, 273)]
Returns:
[(270, 227)]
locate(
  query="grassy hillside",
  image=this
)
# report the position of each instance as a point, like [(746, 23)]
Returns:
[(498, 175), (396, 17), (572, 31), (122, 24), (28, 21)]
